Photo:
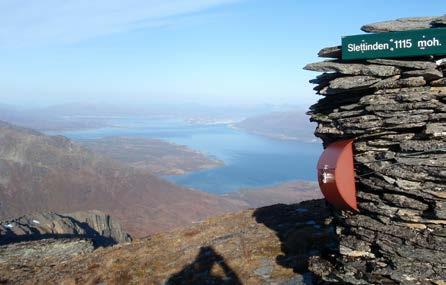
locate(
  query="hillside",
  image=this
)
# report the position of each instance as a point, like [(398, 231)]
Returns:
[(289, 192), (43, 173), (154, 155), (271, 245), (290, 125)]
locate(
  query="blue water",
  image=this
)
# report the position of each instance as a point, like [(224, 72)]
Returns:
[(250, 160)]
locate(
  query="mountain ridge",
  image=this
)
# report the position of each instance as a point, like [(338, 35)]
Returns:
[(51, 173)]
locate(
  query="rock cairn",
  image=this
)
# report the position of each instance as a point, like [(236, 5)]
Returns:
[(395, 110)]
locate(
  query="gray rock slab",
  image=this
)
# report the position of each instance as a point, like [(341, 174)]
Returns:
[(436, 130), (354, 68), (403, 24), (441, 62), (325, 78), (422, 145), (438, 83), (352, 83), (412, 82), (391, 82), (427, 74), (412, 64), (406, 120), (331, 52), (440, 21)]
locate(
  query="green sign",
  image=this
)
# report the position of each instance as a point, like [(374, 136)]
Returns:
[(395, 44)]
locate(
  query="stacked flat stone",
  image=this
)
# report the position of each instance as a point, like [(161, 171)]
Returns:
[(395, 110)]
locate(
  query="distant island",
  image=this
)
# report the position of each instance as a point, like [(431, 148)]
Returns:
[(154, 155), (287, 125)]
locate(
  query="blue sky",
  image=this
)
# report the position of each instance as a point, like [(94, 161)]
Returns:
[(156, 51)]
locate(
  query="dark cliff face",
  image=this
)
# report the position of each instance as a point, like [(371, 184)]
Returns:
[(96, 226), (40, 173), (395, 110)]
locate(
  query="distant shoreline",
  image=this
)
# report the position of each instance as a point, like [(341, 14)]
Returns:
[(273, 136), (158, 156), (287, 192)]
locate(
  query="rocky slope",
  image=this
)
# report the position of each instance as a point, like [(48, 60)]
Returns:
[(22, 257), (270, 245), (39, 173), (289, 192), (96, 226), (395, 110)]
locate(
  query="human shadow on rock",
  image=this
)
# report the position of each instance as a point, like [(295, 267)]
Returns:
[(303, 230), (199, 272)]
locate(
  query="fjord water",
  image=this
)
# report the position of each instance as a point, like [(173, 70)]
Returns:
[(250, 160)]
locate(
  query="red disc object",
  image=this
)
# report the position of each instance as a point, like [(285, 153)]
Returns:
[(336, 175)]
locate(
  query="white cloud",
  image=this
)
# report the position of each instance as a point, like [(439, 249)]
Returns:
[(42, 22)]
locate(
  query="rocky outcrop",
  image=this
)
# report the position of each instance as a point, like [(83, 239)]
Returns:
[(22, 257), (395, 110), (92, 225)]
